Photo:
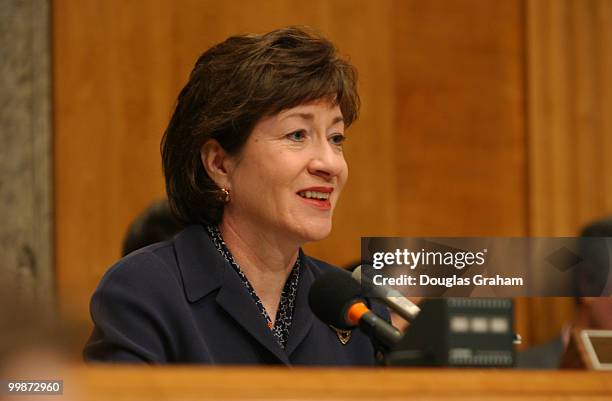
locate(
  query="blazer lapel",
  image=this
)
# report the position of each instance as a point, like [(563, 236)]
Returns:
[(302, 315), (238, 303)]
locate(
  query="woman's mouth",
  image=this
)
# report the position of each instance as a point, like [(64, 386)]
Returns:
[(318, 199)]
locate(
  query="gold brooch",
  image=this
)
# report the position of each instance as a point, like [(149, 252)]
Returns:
[(343, 335)]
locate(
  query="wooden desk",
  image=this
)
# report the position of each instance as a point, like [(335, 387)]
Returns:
[(118, 383)]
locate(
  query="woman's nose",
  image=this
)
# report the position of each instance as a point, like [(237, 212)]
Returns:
[(327, 161)]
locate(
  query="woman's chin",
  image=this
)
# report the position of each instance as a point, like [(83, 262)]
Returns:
[(317, 232)]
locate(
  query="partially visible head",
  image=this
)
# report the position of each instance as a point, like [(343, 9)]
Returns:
[(244, 97), (594, 276), (156, 223)]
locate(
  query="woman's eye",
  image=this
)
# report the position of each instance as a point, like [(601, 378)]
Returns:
[(337, 139), (297, 136)]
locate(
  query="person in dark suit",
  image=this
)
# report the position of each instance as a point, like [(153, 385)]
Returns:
[(591, 312), (254, 167)]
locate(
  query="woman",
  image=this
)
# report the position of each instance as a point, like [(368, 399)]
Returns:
[(254, 167)]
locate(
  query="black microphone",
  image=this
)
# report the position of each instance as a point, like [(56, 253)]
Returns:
[(336, 299)]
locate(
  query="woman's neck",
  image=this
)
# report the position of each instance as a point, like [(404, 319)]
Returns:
[(265, 260)]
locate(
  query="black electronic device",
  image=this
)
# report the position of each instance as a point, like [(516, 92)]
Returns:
[(469, 332)]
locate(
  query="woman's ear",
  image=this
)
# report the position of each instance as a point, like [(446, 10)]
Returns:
[(216, 162)]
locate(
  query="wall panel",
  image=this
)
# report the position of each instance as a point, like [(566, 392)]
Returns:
[(460, 129), (569, 81)]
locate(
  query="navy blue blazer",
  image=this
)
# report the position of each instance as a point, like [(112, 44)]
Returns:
[(179, 301)]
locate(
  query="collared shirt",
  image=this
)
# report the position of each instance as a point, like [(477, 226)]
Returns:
[(284, 314)]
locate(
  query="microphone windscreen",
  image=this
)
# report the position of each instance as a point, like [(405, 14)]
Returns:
[(331, 295)]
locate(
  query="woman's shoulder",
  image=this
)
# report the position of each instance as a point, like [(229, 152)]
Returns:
[(153, 261), (164, 267), (133, 305)]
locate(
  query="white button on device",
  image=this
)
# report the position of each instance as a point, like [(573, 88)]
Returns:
[(499, 325), (479, 324), (459, 324)]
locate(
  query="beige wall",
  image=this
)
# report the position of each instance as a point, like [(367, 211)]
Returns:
[(26, 185), (450, 141)]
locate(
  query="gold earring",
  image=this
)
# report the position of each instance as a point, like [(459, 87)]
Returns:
[(224, 196)]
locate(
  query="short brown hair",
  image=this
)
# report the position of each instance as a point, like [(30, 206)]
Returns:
[(232, 86)]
